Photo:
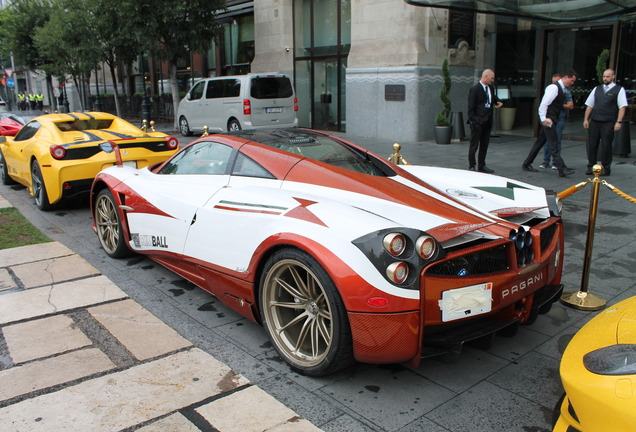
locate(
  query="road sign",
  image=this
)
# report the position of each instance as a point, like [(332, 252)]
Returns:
[(10, 82)]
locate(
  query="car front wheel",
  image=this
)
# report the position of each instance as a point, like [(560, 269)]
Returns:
[(108, 224), (304, 315), (4, 172), (39, 188), (184, 127)]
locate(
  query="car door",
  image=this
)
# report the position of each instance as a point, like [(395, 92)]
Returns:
[(214, 116), (172, 196), (194, 106), (16, 151)]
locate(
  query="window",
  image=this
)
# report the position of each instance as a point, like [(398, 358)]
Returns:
[(271, 88), (27, 131), (215, 89), (197, 91), (201, 158), (245, 166)]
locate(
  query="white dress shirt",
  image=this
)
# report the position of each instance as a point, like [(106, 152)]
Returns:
[(621, 101), (550, 94)]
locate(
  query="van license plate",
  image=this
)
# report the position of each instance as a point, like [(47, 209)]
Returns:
[(273, 110)]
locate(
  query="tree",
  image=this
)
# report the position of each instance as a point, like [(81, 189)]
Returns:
[(442, 116), (174, 30)]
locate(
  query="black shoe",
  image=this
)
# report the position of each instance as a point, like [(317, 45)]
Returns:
[(485, 169), (472, 168), (528, 167), (606, 173), (566, 171), (589, 172)]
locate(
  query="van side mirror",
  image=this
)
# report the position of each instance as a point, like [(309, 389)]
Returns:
[(188, 96)]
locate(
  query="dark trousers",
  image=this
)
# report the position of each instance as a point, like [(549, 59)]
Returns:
[(479, 138), (549, 135), (601, 134)]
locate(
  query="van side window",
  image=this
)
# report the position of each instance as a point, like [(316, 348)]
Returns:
[(197, 91), (215, 89), (232, 88)]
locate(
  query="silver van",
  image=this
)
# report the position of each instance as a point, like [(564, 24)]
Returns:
[(238, 102)]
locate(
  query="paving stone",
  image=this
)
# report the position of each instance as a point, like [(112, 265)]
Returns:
[(31, 253), (264, 413), (172, 423), (37, 302), (124, 399), (46, 373), (53, 271), (4, 203), (43, 337), (143, 334), (6, 281)]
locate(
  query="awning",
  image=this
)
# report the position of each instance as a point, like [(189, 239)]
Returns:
[(545, 10)]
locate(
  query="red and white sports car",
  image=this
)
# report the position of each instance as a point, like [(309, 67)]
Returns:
[(341, 255)]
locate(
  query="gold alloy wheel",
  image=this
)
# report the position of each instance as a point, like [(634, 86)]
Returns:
[(107, 223), (297, 313)]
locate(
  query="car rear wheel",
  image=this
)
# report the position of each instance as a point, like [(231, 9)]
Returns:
[(184, 127), (108, 224), (39, 188), (304, 315), (234, 125), (4, 172)]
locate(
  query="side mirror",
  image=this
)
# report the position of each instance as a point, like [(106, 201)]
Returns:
[(189, 96), (2, 140)]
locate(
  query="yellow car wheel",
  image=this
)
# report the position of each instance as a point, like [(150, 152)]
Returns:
[(39, 188)]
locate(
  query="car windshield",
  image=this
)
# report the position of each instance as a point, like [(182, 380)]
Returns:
[(318, 147), (82, 125)]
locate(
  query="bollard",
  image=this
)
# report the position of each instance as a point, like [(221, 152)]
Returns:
[(396, 158), (582, 299), (152, 126), (205, 131), (144, 125)]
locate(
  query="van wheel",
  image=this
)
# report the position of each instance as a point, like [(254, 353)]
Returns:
[(233, 125), (184, 127)]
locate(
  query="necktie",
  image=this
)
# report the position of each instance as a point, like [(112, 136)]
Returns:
[(487, 95), (606, 88)]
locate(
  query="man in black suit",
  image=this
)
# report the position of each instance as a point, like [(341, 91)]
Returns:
[(549, 112), (481, 101)]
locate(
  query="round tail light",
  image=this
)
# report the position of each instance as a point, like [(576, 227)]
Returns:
[(397, 272), (426, 246), (57, 151), (394, 243), (173, 143)]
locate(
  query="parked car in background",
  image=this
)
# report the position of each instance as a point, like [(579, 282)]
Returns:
[(598, 370), (57, 156), (11, 121), (3, 106), (340, 254), (238, 102)]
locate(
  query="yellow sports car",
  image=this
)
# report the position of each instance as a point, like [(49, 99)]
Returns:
[(57, 156), (598, 370)]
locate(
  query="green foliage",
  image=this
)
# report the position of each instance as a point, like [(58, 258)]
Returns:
[(442, 118), (23, 18), (601, 64), (16, 231)]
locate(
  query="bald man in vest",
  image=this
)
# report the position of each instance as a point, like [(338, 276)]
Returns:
[(606, 108)]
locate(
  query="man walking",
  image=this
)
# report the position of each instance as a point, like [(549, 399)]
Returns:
[(549, 111), (568, 105), (606, 107), (481, 100)]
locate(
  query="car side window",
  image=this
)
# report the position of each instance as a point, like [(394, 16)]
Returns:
[(244, 166), (28, 131), (215, 89), (204, 157), (232, 88), (197, 91)]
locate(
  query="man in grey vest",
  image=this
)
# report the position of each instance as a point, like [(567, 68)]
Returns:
[(606, 108), (549, 112)]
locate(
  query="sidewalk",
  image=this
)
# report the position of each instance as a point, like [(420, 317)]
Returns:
[(76, 353)]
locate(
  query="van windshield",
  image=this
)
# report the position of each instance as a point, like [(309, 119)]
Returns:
[(271, 88)]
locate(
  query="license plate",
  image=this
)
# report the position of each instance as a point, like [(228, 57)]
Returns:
[(464, 302), (273, 110)]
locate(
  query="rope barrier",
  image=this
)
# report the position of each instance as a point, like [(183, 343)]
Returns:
[(571, 190), (619, 192), (396, 157)]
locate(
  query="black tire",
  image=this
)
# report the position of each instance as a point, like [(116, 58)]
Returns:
[(303, 314), (184, 127), (233, 125), (108, 225), (39, 188), (4, 172)]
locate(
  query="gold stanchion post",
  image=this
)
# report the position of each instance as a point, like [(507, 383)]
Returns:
[(582, 299)]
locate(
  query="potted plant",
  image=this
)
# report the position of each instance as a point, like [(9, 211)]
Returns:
[(507, 113), (443, 131)]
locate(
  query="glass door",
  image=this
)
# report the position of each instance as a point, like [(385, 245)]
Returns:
[(326, 95), (576, 48)]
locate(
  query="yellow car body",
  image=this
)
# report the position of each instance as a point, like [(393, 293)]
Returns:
[(598, 370), (29, 157)]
